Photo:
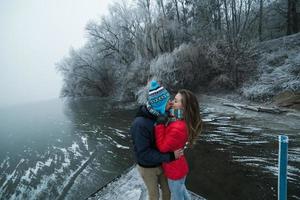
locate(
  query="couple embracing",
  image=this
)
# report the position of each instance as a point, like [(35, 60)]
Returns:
[(160, 131)]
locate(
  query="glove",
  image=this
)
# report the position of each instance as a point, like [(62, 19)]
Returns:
[(162, 119)]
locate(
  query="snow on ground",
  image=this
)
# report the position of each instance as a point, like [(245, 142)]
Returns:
[(129, 186), (278, 68)]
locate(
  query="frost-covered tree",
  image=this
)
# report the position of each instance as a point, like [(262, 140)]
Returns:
[(185, 43), (278, 69), (82, 74)]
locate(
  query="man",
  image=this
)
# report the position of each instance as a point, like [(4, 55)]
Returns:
[(148, 158)]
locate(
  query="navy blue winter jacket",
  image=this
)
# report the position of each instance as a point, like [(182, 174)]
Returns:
[(142, 132)]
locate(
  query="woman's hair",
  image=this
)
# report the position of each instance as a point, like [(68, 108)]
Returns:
[(191, 114)]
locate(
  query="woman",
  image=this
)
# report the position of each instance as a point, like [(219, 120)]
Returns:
[(183, 127)]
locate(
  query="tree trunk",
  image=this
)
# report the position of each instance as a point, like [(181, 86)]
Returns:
[(148, 11), (260, 20), (184, 14), (295, 17), (289, 23), (292, 19), (163, 8), (219, 16), (164, 38), (234, 20), (177, 11), (227, 21)]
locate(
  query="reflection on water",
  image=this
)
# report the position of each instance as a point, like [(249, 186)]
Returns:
[(236, 157), (67, 151)]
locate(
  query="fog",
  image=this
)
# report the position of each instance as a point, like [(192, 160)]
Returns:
[(34, 35)]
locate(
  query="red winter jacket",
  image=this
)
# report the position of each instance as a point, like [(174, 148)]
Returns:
[(168, 139)]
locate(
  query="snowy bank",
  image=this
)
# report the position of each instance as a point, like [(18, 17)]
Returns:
[(278, 69), (129, 186)]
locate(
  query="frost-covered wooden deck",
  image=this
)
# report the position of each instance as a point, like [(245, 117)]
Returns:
[(128, 186)]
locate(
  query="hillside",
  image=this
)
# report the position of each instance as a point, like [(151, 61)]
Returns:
[(278, 72)]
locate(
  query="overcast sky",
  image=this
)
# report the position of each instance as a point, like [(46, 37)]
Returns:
[(34, 35)]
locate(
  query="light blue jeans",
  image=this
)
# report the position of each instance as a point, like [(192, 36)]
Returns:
[(178, 189)]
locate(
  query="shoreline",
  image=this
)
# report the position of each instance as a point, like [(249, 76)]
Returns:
[(204, 99), (236, 98)]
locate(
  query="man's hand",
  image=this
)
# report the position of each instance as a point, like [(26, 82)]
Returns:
[(162, 119), (178, 153)]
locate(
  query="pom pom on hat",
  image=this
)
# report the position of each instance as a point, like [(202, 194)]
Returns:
[(158, 97)]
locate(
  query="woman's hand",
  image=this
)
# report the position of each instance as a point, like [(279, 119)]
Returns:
[(178, 153), (169, 105)]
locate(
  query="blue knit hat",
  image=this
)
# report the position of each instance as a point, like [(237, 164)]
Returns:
[(158, 97)]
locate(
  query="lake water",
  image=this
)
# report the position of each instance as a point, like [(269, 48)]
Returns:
[(61, 150), (57, 150)]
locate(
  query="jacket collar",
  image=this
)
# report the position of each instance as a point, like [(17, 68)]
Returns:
[(144, 112)]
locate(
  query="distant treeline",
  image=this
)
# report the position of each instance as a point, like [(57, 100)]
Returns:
[(200, 44)]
